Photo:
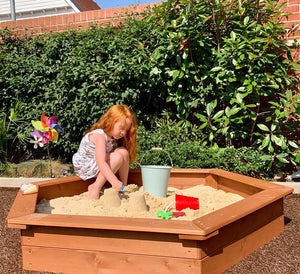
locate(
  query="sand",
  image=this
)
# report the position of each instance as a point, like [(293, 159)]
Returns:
[(138, 203)]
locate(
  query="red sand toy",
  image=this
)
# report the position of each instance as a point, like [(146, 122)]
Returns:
[(183, 202)]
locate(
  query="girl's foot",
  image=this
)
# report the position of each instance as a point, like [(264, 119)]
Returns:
[(94, 192)]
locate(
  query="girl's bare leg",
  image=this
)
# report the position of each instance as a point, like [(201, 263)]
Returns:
[(95, 188), (124, 167), (118, 161)]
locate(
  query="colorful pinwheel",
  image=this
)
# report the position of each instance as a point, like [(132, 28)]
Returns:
[(45, 130)]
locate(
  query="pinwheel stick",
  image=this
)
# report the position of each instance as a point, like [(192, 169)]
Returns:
[(50, 164), (46, 130)]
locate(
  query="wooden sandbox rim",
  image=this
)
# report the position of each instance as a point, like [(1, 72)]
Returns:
[(259, 193)]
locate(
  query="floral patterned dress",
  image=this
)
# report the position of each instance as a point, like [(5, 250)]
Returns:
[(84, 160)]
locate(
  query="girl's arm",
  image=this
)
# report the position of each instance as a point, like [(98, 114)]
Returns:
[(100, 147)]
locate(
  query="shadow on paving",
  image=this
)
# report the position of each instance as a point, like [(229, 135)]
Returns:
[(279, 256)]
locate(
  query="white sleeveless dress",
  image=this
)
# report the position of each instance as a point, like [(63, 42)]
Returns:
[(84, 160)]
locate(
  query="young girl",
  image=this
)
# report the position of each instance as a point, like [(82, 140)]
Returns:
[(106, 148)]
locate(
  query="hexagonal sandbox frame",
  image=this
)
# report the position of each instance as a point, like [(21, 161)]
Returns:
[(92, 244)]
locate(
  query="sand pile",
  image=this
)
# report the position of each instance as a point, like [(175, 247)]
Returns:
[(138, 203)]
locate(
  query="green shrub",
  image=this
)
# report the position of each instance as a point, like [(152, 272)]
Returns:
[(186, 151), (220, 65)]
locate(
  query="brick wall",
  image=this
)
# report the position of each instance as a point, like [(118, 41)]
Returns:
[(292, 22), (59, 23)]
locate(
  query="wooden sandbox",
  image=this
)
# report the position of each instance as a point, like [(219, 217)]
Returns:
[(92, 244)]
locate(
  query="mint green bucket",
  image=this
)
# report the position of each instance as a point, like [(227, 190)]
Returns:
[(156, 178)]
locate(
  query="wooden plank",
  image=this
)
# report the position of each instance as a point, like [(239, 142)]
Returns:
[(62, 180), (233, 186), (113, 223), (157, 244), (231, 254), (240, 209), (84, 261), (212, 181), (198, 237), (22, 206), (192, 177), (62, 187), (242, 227), (135, 177), (67, 189), (179, 178), (256, 183)]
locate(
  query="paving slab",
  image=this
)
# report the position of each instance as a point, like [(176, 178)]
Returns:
[(17, 182), (294, 185)]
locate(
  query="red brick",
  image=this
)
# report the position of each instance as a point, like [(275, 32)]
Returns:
[(65, 19), (10, 24), (292, 9), (78, 16), (282, 1), (19, 23), (61, 28), (116, 12), (291, 2), (59, 19), (288, 25), (47, 21), (35, 22), (82, 25), (294, 17), (108, 13), (30, 23), (53, 28), (53, 20), (118, 22), (101, 14), (46, 29), (37, 31), (71, 17), (41, 21), (103, 22), (90, 15)]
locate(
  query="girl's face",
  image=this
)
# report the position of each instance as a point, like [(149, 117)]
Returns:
[(120, 129)]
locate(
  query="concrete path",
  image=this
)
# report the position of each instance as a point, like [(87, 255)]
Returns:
[(17, 182)]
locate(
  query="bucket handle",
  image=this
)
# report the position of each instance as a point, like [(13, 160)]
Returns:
[(157, 149)]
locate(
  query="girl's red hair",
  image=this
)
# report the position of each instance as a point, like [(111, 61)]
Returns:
[(114, 114)]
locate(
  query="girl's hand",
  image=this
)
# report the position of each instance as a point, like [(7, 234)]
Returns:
[(118, 185)]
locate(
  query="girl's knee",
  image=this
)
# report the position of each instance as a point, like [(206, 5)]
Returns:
[(123, 152)]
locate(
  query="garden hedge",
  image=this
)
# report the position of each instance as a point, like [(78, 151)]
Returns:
[(221, 66)]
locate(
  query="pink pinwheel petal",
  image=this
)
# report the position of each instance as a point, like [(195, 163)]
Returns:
[(47, 137), (52, 120)]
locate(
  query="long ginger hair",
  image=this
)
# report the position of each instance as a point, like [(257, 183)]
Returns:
[(113, 115)]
